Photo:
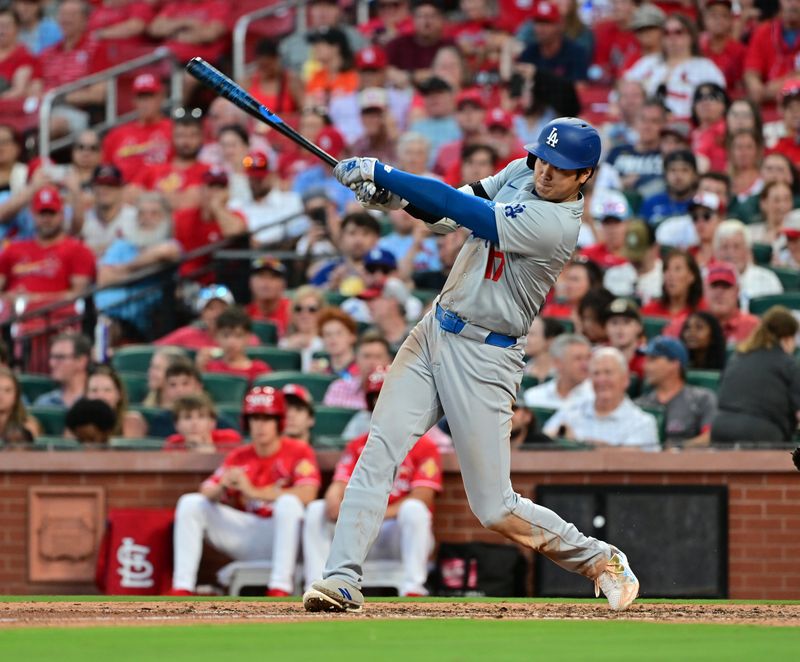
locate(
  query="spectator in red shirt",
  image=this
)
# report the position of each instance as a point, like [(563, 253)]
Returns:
[(193, 28), (719, 45), (77, 56), (615, 42), (771, 60), (195, 421), (413, 53), (272, 85), (609, 208), (233, 329), (147, 140), (624, 330), (789, 101), (580, 275), (299, 412), (476, 162), (121, 25), (268, 289), (683, 288), (20, 75), (709, 106), (50, 267), (392, 19), (471, 117), (180, 179)]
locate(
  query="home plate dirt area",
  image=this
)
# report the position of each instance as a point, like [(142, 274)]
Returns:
[(91, 614)]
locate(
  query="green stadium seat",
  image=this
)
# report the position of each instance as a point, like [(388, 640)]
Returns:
[(790, 278), (660, 415), (35, 385), (135, 386), (328, 442), (45, 443), (542, 414), (634, 387), (277, 359), (50, 418), (267, 332), (225, 388), (569, 325), (143, 444), (760, 305), (762, 254), (653, 326), (528, 381), (149, 413), (426, 296), (706, 378), (133, 358), (315, 383), (232, 413), (331, 421), (334, 298)]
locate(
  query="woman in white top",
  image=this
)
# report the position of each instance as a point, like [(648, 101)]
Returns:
[(678, 70)]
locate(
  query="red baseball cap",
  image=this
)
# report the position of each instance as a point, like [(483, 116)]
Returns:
[(371, 58), (298, 392), (789, 90), (722, 272), (147, 84), (256, 164), (215, 176), (331, 141), (791, 225), (47, 198), (471, 95), (546, 12), (499, 117)]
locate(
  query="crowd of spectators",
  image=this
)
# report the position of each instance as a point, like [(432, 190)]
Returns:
[(689, 220)]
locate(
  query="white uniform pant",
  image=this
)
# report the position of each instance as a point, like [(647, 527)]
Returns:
[(408, 538), (242, 536)]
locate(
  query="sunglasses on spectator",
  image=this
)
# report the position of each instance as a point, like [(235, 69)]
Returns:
[(88, 147), (701, 216), (306, 309), (709, 96)]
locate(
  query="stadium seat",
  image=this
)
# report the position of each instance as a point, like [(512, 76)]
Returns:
[(233, 414), (569, 325), (135, 386), (35, 385), (528, 381), (762, 254), (149, 413), (660, 415), (426, 296), (542, 414), (50, 418), (143, 444), (46, 443), (760, 305), (790, 278), (334, 298), (315, 383), (331, 420), (707, 378), (133, 358), (267, 332), (225, 388), (277, 359), (653, 326), (328, 442), (634, 387)]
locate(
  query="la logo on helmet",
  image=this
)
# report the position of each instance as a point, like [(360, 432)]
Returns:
[(552, 139)]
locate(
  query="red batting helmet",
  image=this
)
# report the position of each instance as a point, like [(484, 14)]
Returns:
[(373, 386), (264, 400)]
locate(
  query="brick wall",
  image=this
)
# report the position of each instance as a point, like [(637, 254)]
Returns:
[(764, 507)]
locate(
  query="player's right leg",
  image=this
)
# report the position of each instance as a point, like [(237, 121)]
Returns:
[(407, 407)]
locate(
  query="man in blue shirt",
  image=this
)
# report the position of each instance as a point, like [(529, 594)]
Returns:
[(680, 172)]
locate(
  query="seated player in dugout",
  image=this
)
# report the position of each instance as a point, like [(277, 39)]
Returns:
[(465, 358), (299, 412)]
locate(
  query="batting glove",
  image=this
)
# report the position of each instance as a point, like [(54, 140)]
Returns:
[(373, 197), (355, 170)]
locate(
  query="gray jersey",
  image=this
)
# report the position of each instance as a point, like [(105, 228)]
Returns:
[(502, 287)]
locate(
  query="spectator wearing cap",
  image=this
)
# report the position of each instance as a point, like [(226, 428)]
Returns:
[(615, 41), (775, 201), (553, 51), (759, 394), (303, 332), (102, 222), (678, 69), (439, 125), (682, 291), (51, 266), (387, 308), (413, 53), (706, 212), (471, 117), (410, 241), (718, 42), (638, 167), (145, 141), (359, 235), (624, 330), (267, 290), (772, 53), (642, 275), (274, 215), (609, 418), (789, 102), (570, 354), (76, 56), (299, 412), (193, 28), (378, 137), (732, 243), (647, 25), (373, 71), (209, 222), (232, 331), (37, 31), (709, 107), (680, 175), (610, 209), (675, 136), (722, 299), (144, 240), (688, 410), (334, 74), (271, 84), (122, 26), (789, 254), (19, 70), (372, 352), (501, 136), (294, 49), (392, 19)]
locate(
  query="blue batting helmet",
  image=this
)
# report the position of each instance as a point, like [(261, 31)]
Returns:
[(568, 143)]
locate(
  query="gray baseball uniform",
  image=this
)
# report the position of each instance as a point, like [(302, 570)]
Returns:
[(474, 382)]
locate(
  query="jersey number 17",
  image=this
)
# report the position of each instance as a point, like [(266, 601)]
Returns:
[(495, 264)]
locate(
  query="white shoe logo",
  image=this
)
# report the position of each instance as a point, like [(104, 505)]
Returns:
[(552, 139)]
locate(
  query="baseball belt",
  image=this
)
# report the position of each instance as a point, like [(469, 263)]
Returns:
[(452, 323)]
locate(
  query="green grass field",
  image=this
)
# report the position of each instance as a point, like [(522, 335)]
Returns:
[(413, 640)]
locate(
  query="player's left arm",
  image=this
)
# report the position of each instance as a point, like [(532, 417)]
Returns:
[(424, 494)]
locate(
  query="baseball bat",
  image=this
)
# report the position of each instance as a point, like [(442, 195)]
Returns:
[(226, 88)]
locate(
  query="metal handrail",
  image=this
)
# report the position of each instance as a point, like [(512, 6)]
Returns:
[(109, 77)]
